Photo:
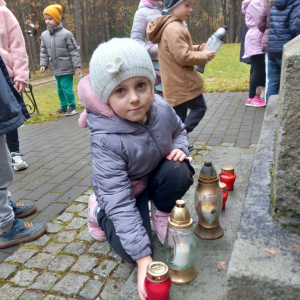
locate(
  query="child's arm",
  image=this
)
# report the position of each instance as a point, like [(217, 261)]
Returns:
[(179, 48), (44, 57), (138, 33), (17, 51), (73, 49), (114, 192), (294, 15)]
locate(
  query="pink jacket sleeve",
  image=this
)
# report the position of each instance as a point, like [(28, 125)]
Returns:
[(254, 10), (17, 49)]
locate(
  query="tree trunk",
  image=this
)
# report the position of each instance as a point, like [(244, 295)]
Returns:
[(232, 23), (77, 23)]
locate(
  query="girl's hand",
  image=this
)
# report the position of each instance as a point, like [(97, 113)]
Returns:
[(176, 155), (42, 69), (20, 86), (77, 71), (142, 270)]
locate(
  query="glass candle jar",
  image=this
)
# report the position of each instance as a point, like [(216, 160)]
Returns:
[(157, 281), (228, 177), (224, 193)]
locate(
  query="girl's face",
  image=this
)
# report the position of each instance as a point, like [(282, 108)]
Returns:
[(50, 22), (132, 98), (183, 10)]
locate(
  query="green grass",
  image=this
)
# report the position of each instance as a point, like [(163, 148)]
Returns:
[(48, 102), (223, 74)]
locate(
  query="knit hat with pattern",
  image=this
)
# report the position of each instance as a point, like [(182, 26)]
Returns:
[(116, 61), (54, 11), (170, 4)]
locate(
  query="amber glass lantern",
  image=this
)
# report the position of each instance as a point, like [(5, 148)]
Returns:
[(208, 203)]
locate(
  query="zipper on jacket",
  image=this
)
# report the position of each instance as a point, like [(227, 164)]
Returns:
[(153, 138)]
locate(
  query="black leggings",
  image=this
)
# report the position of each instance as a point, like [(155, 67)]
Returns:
[(258, 74), (168, 182), (198, 109), (12, 140)]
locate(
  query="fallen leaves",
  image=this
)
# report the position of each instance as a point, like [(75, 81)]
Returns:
[(222, 266), (270, 251), (296, 246)]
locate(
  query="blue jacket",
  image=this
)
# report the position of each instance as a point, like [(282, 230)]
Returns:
[(12, 105), (282, 25), (298, 21)]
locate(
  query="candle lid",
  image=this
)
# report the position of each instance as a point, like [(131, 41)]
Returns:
[(157, 272), (208, 174), (228, 169), (222, 186), (180, 217)]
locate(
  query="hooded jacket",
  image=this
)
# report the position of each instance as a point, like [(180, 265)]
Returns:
[(282, 25), (177, 58), (60, 50), (264, 23), (251, 9), (12, 45), (11, 103), (298, 21), (147, 11), (123, 153)]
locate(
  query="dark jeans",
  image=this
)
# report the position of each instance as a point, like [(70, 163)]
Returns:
[(258, 75), (274, 71), (12, 140), (198, 109), (168, 182)]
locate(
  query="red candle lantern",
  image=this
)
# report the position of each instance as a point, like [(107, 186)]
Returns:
[(228, 177), (224, 193), (157, 281)]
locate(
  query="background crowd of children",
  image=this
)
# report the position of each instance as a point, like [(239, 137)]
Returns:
[(271, 24)]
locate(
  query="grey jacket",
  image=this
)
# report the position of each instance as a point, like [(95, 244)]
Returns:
[(123, 152), (60, 51)]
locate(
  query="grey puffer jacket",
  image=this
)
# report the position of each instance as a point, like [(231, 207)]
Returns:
[(124, 152), (60, 50)]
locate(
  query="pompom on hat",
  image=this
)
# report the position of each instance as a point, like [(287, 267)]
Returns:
[(116, 61), (54, 11)]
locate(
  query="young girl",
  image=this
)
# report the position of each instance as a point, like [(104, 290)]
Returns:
[(139, 150), (147, 11), (251, 10)]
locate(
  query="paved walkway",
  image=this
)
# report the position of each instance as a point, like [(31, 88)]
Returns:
[(66, 263)]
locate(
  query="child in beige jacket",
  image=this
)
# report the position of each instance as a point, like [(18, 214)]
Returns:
[(182, 85)]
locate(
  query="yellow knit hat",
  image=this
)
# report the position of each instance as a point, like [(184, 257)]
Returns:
[(54, 11)]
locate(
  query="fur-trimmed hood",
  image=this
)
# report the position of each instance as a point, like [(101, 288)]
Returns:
[(91, 102)]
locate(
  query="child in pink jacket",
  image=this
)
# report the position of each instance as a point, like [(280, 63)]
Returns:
[(13, 53), (251, 9)]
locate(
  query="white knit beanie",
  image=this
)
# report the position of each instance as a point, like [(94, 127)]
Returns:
[(116, 61)]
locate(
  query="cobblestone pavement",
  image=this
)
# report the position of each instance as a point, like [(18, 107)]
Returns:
[(66, 263)]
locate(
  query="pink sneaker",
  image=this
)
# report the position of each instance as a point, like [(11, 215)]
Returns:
[(94, 229), (160, 222), (261, 101), (255, 102)]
